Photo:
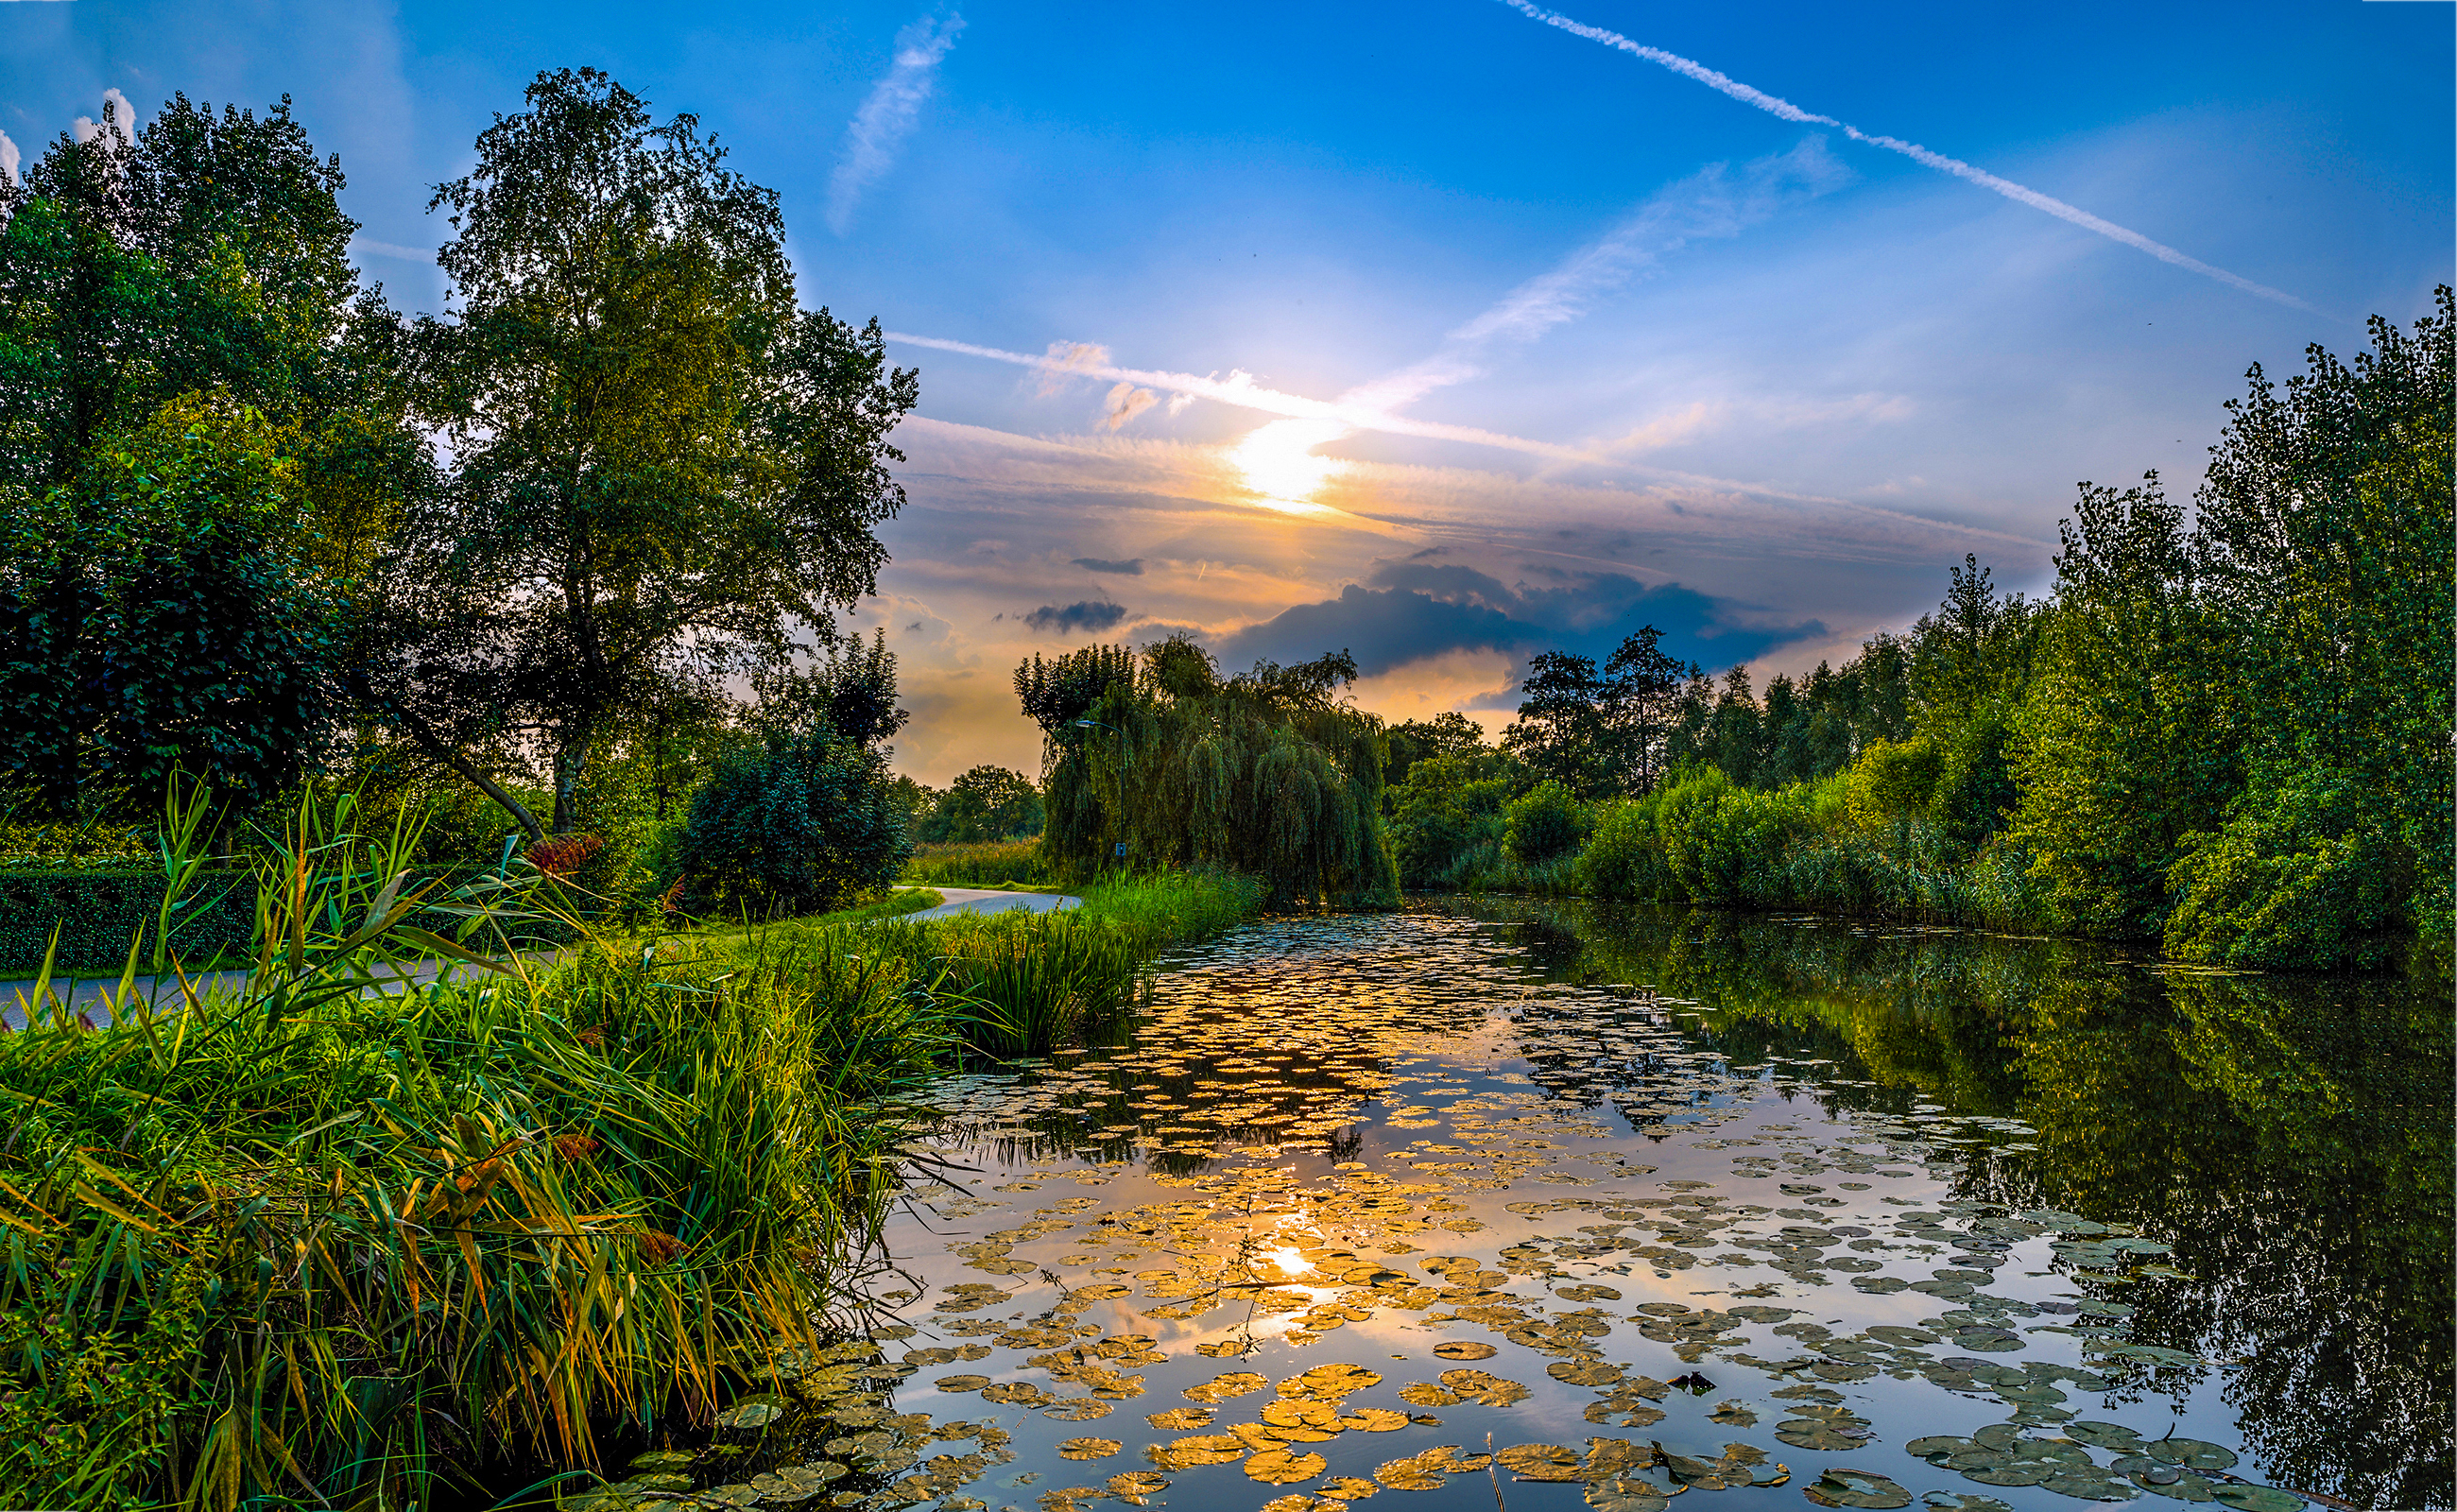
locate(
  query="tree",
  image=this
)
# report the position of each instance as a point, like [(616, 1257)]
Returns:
[(1641, 697), (985, 803), (1447, 733), (661, 465), (1057, 692), (1560, 729), (2126, 742), (161, 615), (206, 253)]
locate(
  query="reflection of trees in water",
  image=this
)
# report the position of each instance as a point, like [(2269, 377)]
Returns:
[(2289, 1136)]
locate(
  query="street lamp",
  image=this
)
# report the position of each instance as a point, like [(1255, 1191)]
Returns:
[(1095, 724)]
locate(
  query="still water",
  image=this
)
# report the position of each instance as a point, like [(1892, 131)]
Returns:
[(1551, 1208)]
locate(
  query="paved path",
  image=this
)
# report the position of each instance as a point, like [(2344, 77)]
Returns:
[(993, 900), (87, 994)]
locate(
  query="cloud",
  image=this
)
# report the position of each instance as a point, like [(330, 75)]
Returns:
[(1133, 568), (2017, 193), (1069, 360), (1409, 612), (1711, 203), (1125, 403), (888, 116), (117, 113), (1086, 615), (9, 160), (387, 249)]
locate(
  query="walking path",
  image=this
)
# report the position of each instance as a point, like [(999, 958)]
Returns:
[(87, 994)]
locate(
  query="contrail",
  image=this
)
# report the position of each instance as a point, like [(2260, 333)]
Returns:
[(1775, 106)]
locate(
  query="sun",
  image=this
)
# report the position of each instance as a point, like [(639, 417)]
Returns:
[(1280, 466)]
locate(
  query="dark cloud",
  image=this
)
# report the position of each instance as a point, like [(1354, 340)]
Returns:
[(1133, 568), (1071, 618), (1413, 610)]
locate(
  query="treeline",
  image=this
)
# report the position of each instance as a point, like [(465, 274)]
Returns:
[(506, 565), (2229, 733)]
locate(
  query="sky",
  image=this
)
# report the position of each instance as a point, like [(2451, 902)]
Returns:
[(1450, 333)]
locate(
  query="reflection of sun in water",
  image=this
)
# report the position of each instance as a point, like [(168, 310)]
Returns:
[(1279, 464), (1287, 1259)]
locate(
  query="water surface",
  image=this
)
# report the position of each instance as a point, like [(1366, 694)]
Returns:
[(1555, 1207)]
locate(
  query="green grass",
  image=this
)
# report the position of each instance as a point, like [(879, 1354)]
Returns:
[(988, 865), (298, 1246)]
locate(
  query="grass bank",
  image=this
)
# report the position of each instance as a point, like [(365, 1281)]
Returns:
[(300, 1247)]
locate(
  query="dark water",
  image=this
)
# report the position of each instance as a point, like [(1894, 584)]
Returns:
[(1653, 1204)]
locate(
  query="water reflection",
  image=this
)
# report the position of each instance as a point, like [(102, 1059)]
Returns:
[(1605, 1208), (2288, 1136)]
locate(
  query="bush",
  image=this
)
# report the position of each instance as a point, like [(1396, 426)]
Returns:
[(1623, 858), (1548, 823), (799, 824), (1974, 794), (1894, 778), (99, 912), (1724, 844), (2303, 877), (1449, 817)]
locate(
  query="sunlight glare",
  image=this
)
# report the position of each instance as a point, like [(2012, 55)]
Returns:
[(1280, 466)]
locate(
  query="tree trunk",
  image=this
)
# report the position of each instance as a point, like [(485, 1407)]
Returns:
[(569, 763), (427, 740)]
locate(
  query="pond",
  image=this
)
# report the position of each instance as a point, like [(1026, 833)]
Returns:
[(1551, 1208)]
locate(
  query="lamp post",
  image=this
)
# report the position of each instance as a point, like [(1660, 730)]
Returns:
[(1095, 724)]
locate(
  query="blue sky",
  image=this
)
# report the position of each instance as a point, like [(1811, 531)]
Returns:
[(1542, 339)]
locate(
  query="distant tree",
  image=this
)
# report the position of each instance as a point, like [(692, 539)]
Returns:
[(985, 803), (661, 465), (1447, 733), (1600, 731)]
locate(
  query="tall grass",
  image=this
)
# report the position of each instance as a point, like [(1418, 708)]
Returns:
[(982, 865), (301, 1244)]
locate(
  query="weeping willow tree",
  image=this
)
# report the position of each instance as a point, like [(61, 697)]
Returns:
[(1163, 762)]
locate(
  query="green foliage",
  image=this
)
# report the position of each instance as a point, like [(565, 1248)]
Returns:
[(984, 805), (99, 915), (161, 613), (978, 865), (1544, 825), (661, 465), (795, 824), (1265, 774), (2324, 548), (1893, 778), (2303, 877), (1057, 692), (1448, 734), (2125, 742), (1448, 819), (1974, 794)]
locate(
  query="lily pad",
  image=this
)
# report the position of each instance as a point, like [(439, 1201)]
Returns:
[(1617, 1495), (1375, 1420), (1463, 1349), (2257, 1497), (1178, 1419), (960, 1382), (1217, 1448), (1221, 1388), (2196, 1454), (1538, 1461), (1839, 1487), (1583, 1371), (750, 1412), (1087, 1448), (1475, 1385), (1285, 1468)]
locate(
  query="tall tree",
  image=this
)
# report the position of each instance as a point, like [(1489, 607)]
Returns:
[(662, 466)]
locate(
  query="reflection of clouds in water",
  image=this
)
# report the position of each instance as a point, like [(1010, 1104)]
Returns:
[(1331, 1138)]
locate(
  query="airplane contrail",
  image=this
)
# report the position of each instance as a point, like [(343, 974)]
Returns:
[(1774, 104)]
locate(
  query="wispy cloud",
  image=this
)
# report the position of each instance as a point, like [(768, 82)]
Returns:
[(1711, 203), (1125, 403), (9, 159), (887, 117), (2018, 193), (387, 249)]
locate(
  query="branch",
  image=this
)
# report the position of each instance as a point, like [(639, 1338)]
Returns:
[(443, 753)]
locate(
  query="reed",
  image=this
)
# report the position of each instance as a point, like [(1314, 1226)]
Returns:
[(979, 865), (309, 1244)]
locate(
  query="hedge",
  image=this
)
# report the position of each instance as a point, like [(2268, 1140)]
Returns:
[(100, 910)]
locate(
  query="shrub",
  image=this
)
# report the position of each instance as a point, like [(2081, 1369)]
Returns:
[(1448, 818), (100, 912), (799, 824), (1546, 824), (1894, 778), (1724, 844), (978, 865), (1624, 857), (2303, 877), (1974, 794)]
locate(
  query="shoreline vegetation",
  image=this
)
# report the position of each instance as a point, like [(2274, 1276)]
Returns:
[(300, 1245)]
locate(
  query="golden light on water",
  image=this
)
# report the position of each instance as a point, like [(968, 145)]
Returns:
[(1280, 466)]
